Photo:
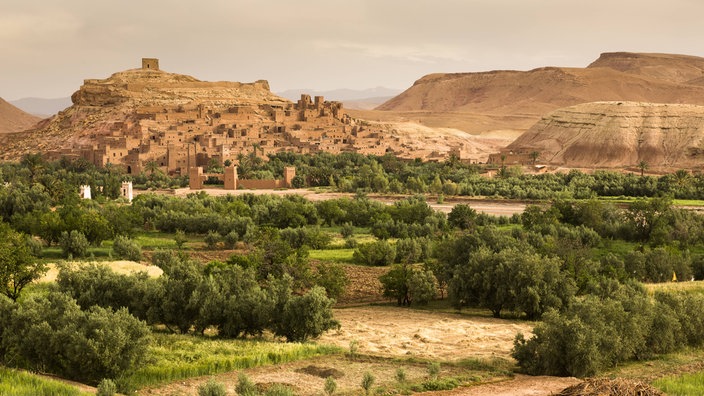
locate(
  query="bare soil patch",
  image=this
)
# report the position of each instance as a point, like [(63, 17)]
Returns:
[(401, 332), (118, 266)]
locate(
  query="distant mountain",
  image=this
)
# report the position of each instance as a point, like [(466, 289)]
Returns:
[(342, 95), (657, 78), (13, 119), (42, 107)]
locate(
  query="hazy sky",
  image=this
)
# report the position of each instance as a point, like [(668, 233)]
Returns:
[(48, 47)]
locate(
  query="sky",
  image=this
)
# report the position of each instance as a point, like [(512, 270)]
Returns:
[(47, 48)]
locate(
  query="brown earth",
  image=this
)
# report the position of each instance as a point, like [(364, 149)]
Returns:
[(659, 78), (504, 103), (618, 134), (13, 119)]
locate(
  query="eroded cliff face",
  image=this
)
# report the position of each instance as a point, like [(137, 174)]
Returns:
[(618, 134)]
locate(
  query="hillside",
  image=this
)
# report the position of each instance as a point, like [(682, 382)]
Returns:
[(667, 67), (539, 91), (616, 134), (141, 115), (514, 100), (42, 107), (13, 119)]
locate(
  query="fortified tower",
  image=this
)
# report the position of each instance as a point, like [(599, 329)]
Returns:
[(150, 64)]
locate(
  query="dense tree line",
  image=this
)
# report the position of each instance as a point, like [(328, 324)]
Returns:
[(189, 297)]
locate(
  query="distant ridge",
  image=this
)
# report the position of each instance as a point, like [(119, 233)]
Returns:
[(13, 119), (659, 78), (342, 94), (42, 107)]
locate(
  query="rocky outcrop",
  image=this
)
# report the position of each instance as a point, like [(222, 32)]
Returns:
[(13, 119), (617, 134)]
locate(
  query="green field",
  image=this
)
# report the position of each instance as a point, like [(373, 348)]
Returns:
[(691, 384), (174, 357), (19, 383)]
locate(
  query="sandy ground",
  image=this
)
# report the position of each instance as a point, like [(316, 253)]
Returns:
[(491, 207), (119, 266), (520, 385), (391, 331), (388, 331)]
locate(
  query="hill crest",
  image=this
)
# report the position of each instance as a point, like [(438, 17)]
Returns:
[(12, 119)]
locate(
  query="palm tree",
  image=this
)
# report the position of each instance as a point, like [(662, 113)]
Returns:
[(151, 166), (35, 164), (642, 165)]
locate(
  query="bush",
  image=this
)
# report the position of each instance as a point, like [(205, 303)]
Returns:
[(211, 239), (379, 253), (367, 382), (73, 244), (307, 316), (330, 386), (333, 278), (50, 333), (347, 230), (245, 386), (126, 248), (212, 388), (279, 390), (106, 387)]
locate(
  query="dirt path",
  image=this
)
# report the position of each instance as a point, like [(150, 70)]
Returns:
[(488, 206), (520, 385)]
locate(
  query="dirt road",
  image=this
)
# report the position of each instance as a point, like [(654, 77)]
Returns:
[(492, 207)]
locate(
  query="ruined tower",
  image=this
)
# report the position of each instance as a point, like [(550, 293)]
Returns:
[(150, 63)]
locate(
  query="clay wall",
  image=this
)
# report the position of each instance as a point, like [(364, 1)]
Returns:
[(260, 184)]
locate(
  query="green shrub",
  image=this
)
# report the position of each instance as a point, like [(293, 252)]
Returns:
[(347, 230), (125, 248), (180, 239), (245, 386), (212, 388), (73, 244), (106, 387), (333, 278), (378, 253), (307, 316), (434, 370), (367, 382), (51, 333), (279, 390), (330, 386), (211, 239), (400, 375)]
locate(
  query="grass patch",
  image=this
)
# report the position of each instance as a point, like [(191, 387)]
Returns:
[(20, 383), (683, 385), (157, 240), (173, 357), (687, 287), (332, 255), (688, 202)]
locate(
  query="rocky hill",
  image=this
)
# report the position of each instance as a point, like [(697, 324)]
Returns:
[(655, 78), (681, 69), (13, 119), (615, 134), (142, 115)]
